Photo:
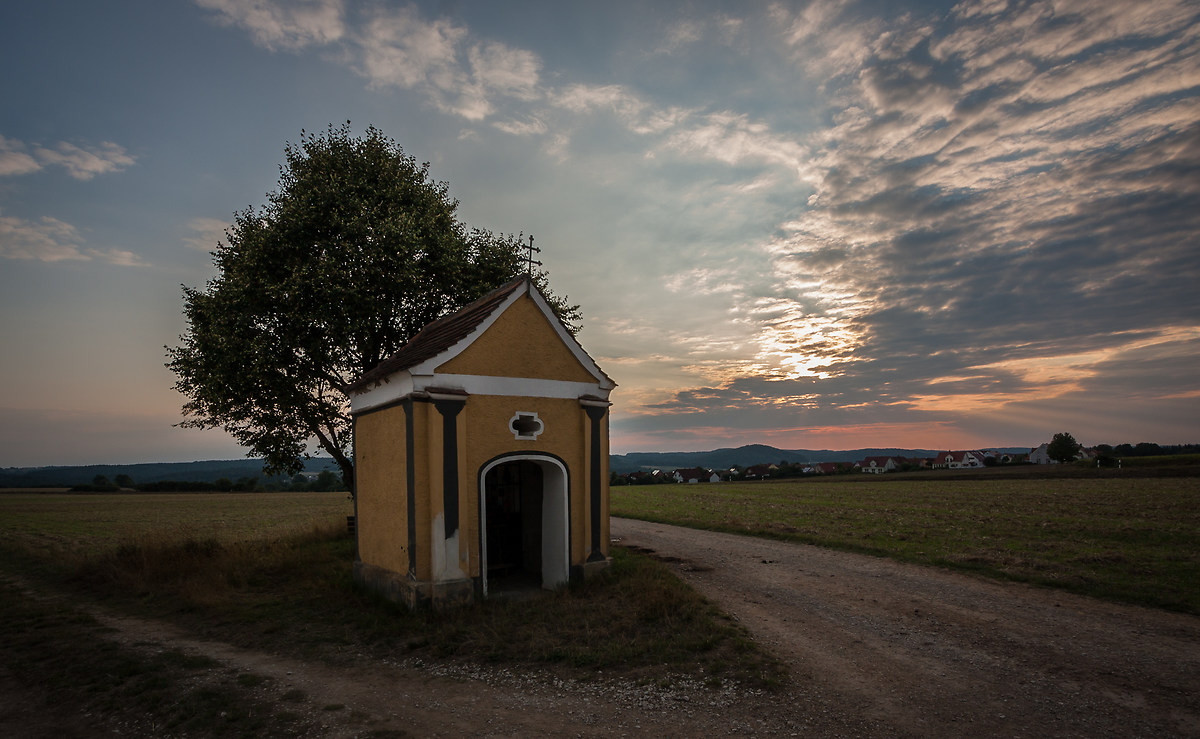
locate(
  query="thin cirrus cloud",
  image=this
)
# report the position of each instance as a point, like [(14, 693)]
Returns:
[(396, 47), (46, 239), (50, 239), (80, 162), (291, 26), (206, 233)]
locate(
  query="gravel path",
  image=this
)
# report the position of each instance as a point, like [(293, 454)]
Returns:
[(901, 649)]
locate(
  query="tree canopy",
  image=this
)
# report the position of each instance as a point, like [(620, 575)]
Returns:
[(355, 252), (1063, 448)]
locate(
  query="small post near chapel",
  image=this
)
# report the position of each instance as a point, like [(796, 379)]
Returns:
[(481, 455)]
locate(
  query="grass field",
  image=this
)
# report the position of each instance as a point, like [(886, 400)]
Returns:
[(1135, 540), (272, 571), (66, 522)]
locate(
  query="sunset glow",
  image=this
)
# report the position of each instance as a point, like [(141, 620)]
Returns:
[(824, 224)]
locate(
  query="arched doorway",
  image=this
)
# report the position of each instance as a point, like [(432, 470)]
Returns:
[(524, 523)]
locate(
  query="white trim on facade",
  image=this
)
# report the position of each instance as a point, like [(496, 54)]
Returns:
[(429, 366), (525, 425), (403, 384), (423, 376), (571, 342)]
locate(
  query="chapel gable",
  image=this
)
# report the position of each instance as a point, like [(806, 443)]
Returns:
[(521, 342)]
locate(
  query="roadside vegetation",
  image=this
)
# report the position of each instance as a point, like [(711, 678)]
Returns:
[(272, 573), (1135, 540), (72, 680)]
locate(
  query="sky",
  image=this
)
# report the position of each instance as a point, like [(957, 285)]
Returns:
[(816, 225)]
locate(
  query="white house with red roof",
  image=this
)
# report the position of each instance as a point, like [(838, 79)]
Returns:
[(958, 460), (880, 465)]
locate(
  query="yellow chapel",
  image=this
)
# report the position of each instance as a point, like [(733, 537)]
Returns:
[(481, 455)]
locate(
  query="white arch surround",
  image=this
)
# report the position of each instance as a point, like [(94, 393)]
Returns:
[(556, 519)]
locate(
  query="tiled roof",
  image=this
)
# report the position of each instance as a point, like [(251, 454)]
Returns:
[(879, 461), (440, 335)]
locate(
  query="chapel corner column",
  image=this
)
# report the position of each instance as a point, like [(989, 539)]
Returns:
[(597, 410), (448, 546)]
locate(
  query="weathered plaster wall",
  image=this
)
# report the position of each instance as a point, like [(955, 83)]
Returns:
[(381, 472)]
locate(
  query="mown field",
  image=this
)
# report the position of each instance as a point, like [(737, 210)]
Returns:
[(1134, 540), (62, 523), (272, 572)]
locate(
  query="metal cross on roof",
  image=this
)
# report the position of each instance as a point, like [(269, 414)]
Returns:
[(530, 261)]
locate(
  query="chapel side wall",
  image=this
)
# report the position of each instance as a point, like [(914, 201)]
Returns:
[(603, 477), (380, 474)]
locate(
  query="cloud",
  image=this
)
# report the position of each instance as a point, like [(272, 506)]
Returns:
[(505, 71), (291, 25), (14, 160), (826, 38), (118, 257), (82, 163), (45, 240), (683, 32), (1001, 209), (735, 139), (206, 233), (397, 47), (923, 210), (51, 240)]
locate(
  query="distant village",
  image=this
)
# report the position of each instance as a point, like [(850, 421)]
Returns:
[(951, 460)]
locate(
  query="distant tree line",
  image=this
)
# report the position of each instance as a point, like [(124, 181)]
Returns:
[(1063, 448), (1107, 455), (324, 481)]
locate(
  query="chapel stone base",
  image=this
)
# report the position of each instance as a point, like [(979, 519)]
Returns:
[(412, 593), (589, 570)]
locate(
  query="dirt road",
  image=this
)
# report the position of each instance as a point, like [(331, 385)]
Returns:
[(877, 649), (910, 650)]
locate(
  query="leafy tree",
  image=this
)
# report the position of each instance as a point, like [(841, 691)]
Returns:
[(356, 251), (245, 485), (101, 481), (123, 481), (326, 482), (1063, 448)]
